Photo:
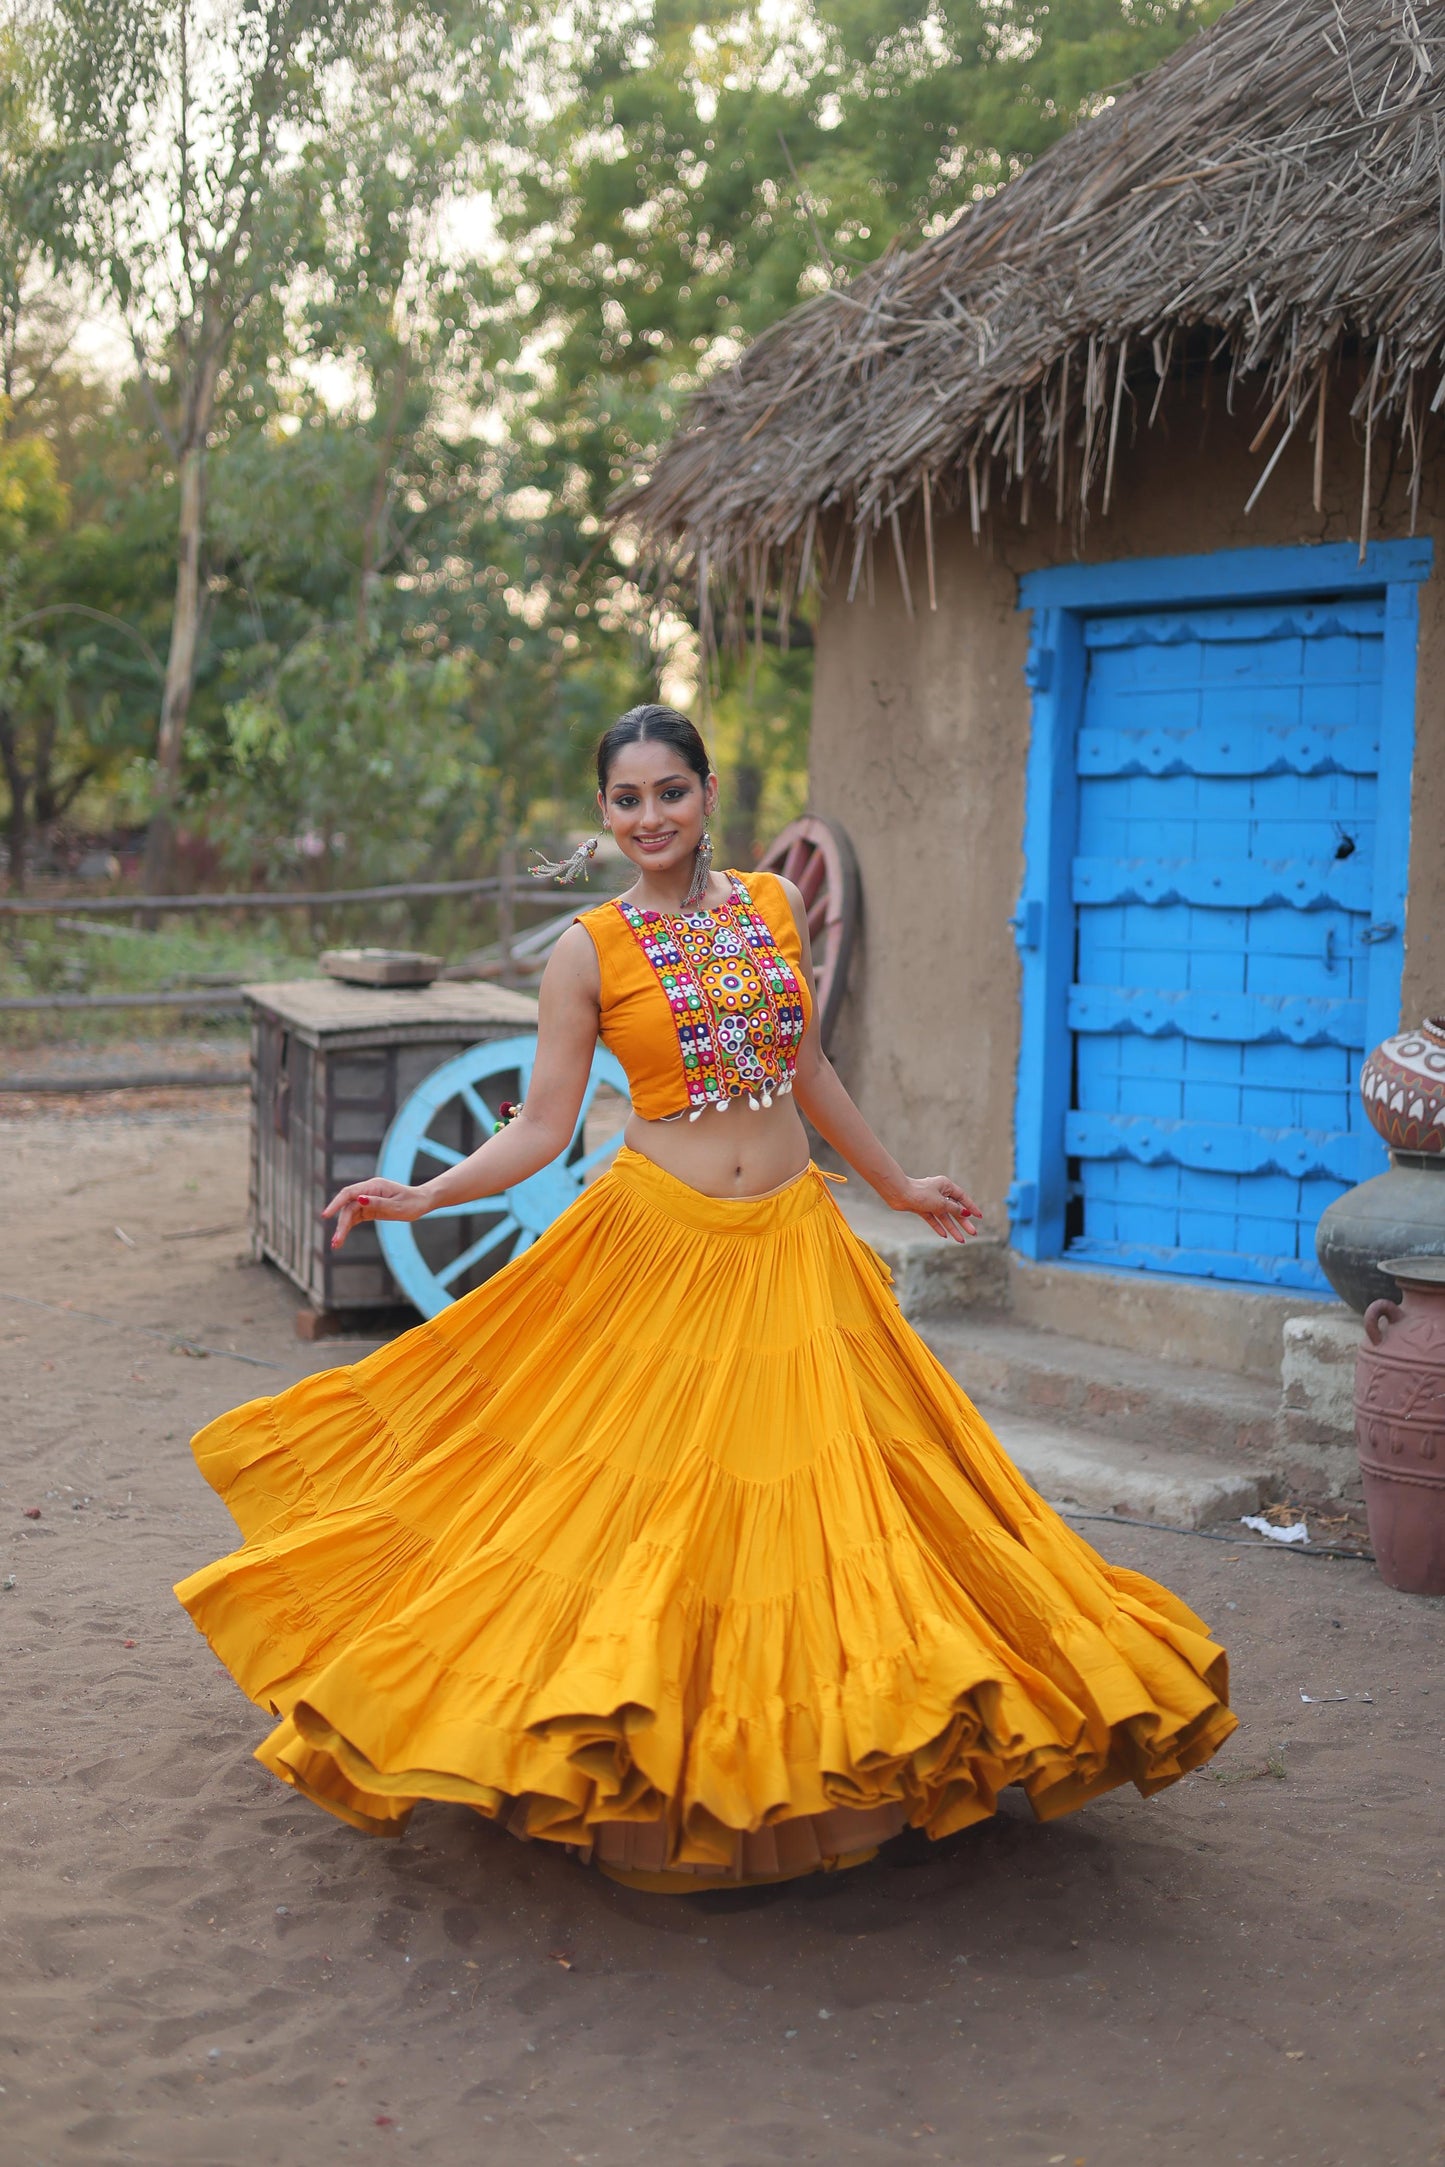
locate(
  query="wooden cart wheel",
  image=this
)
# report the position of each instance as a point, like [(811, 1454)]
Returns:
[(816, 855), (452, 1250)]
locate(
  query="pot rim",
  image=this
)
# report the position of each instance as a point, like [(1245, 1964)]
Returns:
[(1426, 1268)]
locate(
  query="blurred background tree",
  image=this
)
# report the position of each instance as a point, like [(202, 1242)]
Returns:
[(329, 327), (702, 167)]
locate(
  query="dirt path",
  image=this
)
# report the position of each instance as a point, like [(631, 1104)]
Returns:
[(199, 1971)]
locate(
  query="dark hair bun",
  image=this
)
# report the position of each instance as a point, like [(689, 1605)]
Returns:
[(652, 726)]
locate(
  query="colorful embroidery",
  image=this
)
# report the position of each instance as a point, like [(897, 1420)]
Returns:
[(736, 1001)]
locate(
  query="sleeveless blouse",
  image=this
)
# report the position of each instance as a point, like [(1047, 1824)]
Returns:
[(704, 1008)]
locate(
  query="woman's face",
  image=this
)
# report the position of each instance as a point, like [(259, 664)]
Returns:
[(656, 807)]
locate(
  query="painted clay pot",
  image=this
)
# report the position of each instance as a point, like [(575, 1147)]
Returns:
[(1403, 1086), (1400, 1426)]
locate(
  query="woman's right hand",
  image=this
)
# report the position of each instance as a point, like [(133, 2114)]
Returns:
[(949, 1210), (374, 1199)]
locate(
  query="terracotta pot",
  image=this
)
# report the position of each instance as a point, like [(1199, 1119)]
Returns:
[(1403, 1086), (1400, 1426)]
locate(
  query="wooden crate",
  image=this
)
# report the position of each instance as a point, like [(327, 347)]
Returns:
[(331, 1064)]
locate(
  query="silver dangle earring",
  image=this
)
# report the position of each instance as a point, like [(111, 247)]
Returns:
[(701, 868), (566, 869)]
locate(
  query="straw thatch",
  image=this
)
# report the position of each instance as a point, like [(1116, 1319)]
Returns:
[(1270, 201)]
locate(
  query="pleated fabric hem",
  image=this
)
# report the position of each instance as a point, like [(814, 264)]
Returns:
[(327, 1768), (675, 1545), (640, 1853)]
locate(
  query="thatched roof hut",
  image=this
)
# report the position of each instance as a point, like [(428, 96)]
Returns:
[(1148, 807), (1270, 201)]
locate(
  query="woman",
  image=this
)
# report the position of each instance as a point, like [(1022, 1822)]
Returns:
[(672, 1542)]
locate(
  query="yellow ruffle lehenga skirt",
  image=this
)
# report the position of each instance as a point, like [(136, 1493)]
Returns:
[(673, 1542)]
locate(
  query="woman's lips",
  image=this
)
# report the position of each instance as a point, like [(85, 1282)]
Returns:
[(655, 842)]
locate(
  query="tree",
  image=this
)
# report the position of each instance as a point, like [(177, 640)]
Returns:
[(388, 295), (27, 300), (33, 508), (183, 176), (703, 166), (468, 705), (701, 171), (363, 514)]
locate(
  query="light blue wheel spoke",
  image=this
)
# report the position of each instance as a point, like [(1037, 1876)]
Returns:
[(481, 1112), (443, 1152), (514, 1219), (478, 1250)]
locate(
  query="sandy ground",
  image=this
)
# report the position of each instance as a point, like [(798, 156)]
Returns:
[(198, 1969)]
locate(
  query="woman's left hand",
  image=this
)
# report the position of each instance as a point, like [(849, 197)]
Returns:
[(949, 1210), (363, 1201)]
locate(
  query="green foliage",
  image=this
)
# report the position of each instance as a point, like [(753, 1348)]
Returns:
[(33, 499), (82, 600), (459, 710), (457, 265), (703, 167), (342, 757), (189, 171)]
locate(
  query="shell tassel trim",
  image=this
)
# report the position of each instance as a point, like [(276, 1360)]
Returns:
[(566, 870)]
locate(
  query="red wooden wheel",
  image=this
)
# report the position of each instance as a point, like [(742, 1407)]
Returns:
[(816, 855)]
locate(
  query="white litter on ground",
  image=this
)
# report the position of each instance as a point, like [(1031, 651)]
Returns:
[(1298, 1533)]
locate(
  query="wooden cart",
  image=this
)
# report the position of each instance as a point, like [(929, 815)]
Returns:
[(331, 1064)]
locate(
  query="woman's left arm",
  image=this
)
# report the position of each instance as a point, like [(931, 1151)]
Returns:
[(935, 1197)]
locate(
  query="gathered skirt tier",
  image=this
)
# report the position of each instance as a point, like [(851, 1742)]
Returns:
[(674, 1542)]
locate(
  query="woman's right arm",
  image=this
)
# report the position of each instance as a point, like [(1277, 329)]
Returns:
[(567, 1026)]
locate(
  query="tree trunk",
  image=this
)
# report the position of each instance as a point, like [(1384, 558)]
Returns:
[(180, 666), (17, 782), (377, 508), (740, 835), (42, 766)]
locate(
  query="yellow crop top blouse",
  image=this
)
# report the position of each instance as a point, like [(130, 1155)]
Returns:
[(704, 1008)]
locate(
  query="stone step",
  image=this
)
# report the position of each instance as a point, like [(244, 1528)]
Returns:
[(931, 1277), (1129, 1386), (1136, 1481), (1109, 1391)]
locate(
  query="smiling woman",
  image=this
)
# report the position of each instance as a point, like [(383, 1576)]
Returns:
[(672, 1542)]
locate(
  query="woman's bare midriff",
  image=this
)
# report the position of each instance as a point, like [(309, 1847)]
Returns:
[(736, 1153)]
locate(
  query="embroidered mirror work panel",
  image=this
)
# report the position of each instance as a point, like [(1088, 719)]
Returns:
[(707, 1008)]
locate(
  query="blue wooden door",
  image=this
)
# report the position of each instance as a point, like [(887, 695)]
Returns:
[(1227, 762)]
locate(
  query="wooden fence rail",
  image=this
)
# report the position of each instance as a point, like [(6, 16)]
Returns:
[(225, 999), (510, 891), (307, 899), (135, 1079)]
